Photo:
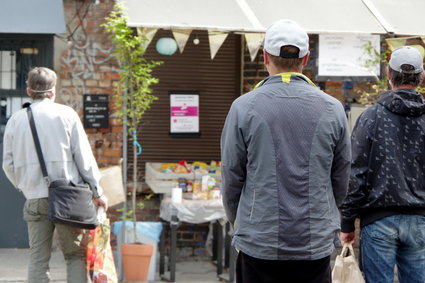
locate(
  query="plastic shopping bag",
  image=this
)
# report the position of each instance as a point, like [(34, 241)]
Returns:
[(346, 269), (100, 261)]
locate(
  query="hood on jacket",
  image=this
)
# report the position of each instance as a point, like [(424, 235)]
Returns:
[(404, 102)]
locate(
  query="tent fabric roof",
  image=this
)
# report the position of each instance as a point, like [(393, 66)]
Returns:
[(219, 15), (316, 17), (29, 16), (403, 17), (322, 16)]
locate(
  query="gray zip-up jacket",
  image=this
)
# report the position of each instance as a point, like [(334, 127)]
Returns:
[(285, 168)]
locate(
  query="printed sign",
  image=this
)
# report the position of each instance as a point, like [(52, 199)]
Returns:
[(96, 112), (184, 113), (344, 55)]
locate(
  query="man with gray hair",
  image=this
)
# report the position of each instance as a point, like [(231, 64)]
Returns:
[(68, 155), (285, 151), (387, 184)]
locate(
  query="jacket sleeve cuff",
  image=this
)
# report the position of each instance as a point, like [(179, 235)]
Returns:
[(347, 225), (95, 192)]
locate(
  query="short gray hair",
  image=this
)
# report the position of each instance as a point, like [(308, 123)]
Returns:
[(41, 81)]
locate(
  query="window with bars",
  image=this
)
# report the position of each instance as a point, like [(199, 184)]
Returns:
[(14, 65), (8, 69), (18, 54)]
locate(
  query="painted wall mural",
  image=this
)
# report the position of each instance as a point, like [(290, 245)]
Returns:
[(84, 61)]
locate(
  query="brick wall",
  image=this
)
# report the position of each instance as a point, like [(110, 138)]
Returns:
[(87, 67)]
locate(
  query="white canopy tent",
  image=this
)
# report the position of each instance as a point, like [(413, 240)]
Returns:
[(249, 17), (214, 15), (400, 17), (252, 17), (318, 17), (325, 16)]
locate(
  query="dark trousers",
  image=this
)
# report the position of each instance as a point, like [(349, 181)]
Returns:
[(254, 270)]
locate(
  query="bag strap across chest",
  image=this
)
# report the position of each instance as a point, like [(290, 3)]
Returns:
[(37, 145)]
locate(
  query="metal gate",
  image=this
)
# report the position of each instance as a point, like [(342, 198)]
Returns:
[(18, 54)]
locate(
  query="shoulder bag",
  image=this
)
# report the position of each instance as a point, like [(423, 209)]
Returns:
[(69, 204)]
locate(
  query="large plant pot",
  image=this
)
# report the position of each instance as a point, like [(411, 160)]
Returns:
[(136, 259)]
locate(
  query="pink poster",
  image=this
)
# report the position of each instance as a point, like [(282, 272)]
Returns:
[(184, 113)]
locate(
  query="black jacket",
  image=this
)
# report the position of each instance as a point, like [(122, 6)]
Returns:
[(388, 160)]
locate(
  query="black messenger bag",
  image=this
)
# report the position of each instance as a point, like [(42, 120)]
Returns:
[(69, 203)]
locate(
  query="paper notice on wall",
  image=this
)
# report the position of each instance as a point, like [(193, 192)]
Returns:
[(345, 55), (184, 113)]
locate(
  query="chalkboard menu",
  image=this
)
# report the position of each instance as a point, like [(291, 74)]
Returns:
[(96, 112)]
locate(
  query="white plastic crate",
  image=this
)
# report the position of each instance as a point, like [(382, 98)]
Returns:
[(162, 183), (153, 171)]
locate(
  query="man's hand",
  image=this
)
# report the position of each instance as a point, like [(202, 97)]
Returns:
[(102, 201), (347, 237)]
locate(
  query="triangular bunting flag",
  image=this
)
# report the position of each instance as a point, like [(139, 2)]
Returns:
[(394, 43), (254, 42), (216, 39), (420, 48), (181, 36), (149, 33)]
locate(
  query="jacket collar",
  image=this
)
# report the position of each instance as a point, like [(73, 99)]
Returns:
[(43, 100), (285, 78)]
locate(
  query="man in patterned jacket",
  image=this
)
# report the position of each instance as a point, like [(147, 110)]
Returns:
[(387, 185), (285, 168)]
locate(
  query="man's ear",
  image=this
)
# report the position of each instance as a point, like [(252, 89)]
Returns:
[(266, 57), (28, 92), (305, 58), (387, 72)]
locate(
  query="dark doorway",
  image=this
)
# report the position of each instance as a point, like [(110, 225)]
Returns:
[(18, 54)]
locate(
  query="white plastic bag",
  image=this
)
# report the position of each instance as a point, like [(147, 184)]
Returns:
[(346, 269), (112, 185)]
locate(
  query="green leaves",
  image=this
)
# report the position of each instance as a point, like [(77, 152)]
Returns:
[(136, 72), (136, 83), (371, 94)]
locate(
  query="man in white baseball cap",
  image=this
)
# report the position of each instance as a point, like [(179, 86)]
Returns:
[(407, 59), (285, 166), (387, 185)]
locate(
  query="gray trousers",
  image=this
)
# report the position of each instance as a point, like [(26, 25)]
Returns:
[(73, 242)]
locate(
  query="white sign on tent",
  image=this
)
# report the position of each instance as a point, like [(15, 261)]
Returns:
[(344, 55)]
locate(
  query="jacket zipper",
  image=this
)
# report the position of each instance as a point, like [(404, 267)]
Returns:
[(252, 207)]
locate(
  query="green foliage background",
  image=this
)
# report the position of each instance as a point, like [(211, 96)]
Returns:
[(134, 91)]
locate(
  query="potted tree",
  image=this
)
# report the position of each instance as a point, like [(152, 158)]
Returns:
[(132, 99)]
